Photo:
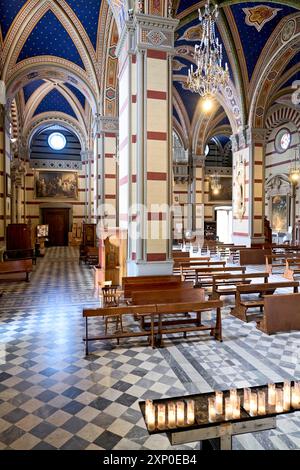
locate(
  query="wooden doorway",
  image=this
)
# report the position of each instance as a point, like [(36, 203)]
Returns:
[(58, 221)]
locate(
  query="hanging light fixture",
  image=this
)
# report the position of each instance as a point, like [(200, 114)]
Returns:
[(294, 173), (210, 76), (215, 184)]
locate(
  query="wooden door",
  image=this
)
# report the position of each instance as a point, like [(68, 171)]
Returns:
[(58, 221)]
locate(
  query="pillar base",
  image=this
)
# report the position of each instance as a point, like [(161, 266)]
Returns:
[(143, 268)]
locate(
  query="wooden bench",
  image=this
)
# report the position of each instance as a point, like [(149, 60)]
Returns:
[(281, 314), (196, 307), (204, 276), (225, 284), (187, 261), (142, 283), (242, 306), (20, 255), (292, 268), (16, 267), (158, 310), (187, 270)]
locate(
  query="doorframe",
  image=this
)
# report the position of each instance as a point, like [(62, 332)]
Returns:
[(57, 205)]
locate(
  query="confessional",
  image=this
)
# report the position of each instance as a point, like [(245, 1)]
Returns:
[(112, 257), (20, 239)]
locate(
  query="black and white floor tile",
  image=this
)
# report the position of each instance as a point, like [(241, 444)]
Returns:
[(53, 397)]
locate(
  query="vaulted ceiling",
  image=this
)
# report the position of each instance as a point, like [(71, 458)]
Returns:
[(79, 38)]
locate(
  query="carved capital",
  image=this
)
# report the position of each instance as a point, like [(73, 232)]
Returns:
[(107, 124)]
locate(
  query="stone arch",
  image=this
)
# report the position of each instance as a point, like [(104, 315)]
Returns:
[(27, 19), (284, 45), (281, 115), (47, 119), (61, 71)]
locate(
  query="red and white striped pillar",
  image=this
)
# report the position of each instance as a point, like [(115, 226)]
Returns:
[(248, 187), (145, 54)]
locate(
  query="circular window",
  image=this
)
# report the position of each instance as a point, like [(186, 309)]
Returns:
[(283, 140), (57, 141)]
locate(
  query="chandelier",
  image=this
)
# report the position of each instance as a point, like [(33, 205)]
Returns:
[(210, 76), (215, 184), (294, 173)]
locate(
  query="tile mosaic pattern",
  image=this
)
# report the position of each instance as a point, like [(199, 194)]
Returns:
[(52, 397)]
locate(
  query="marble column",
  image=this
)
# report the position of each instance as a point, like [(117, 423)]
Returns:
[(145, 52), (248, 187)]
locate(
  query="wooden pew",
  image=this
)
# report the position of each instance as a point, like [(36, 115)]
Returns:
[(281, 314), (180, 254), (242, 306), (179, 261), (117, 311), (292, 268), (194, 307), (158, 310), (225, 284), (178, 295), (275, 261), (187, 270), (130, 284), (204, 276), (168, 296), (16, 267)]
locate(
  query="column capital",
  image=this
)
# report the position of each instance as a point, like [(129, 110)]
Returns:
[(198, 160), (87, 155), (142, 32), (107, 124), (258, 135), (241, 140)]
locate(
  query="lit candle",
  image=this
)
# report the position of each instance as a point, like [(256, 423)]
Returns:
[(296, 395), (261, 403), (233, 396), (247, 395), (161, 416), (190, 412), (237, 408), (150, 415), (211, 409), (287, 396), (253, 404), (171, 415), (279, 400), (219, 403), (228, 409), (180, 413), (271, 394)]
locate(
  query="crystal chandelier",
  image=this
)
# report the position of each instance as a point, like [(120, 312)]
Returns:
[(294, 173), (215, 184), (210, 76)]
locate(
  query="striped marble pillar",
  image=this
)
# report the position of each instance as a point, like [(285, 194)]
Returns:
[(198, 195), (108, 169), (145, 54), (2, 174), (248, 187)]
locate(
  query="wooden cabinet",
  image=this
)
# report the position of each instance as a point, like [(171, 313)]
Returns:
[(18, 237)]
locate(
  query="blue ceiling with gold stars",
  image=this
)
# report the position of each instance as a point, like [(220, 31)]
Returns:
[(49, 37), (31, 88), (88, 13), (9, 10), (77, 93), (55, 101)]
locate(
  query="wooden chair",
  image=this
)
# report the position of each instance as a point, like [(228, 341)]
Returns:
[(111, 299)]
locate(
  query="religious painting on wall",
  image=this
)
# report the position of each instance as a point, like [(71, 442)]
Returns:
[(224, 192), (56, 184), (279, 219)]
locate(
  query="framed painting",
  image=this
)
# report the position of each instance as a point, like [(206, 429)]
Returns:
[(279, 217), (56, 185), (225, 192)]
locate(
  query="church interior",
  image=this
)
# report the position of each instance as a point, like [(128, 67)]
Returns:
[(149, 225)]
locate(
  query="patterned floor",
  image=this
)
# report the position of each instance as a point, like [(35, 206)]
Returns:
[(52, 397)]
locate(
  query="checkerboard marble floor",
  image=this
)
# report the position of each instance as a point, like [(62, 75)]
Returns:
[(52, 397)]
